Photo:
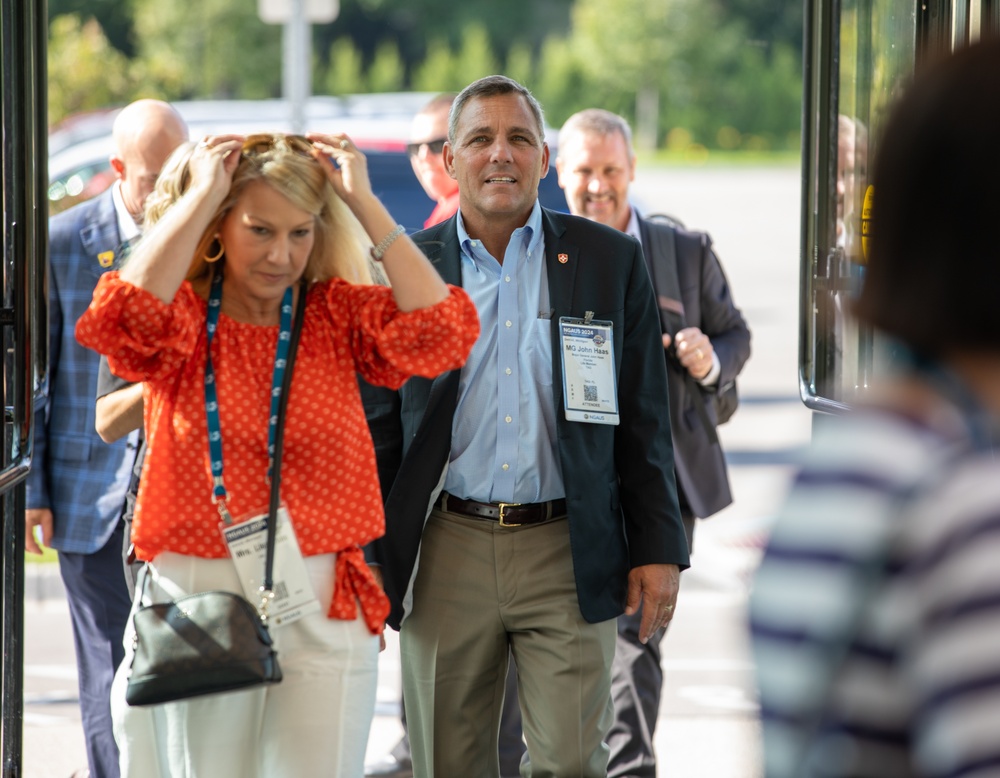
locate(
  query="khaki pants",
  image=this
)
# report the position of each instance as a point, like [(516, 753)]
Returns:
[(483, 591)]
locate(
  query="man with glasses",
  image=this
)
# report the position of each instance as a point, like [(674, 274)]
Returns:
[(428, 135)]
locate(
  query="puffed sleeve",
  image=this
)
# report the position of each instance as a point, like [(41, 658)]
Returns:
[(389, 346), (144, 338)]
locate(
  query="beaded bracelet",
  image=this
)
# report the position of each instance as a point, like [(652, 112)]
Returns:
[(378, 250)]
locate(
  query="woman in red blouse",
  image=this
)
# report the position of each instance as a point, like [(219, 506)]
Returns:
[(253, 224)]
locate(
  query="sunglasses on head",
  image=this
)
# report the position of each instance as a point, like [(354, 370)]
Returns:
[(435, 146), (264, 142)]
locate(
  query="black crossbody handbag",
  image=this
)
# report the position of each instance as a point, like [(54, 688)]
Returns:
[(214, 641)]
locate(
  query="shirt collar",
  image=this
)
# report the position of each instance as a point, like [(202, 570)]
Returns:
[(633, 225), (530, 233), (127, 228)]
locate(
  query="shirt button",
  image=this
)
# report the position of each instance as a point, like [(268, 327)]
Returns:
[(508, 419), (505, 466), (507, 371), (507, 279), (507, 322)]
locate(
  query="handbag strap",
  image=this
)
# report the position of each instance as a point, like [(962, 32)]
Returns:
[(279, 439)]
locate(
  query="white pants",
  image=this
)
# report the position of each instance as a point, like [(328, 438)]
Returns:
[(315, 722)]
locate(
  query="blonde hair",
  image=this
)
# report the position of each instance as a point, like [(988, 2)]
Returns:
[(173, 181), (285, 163)]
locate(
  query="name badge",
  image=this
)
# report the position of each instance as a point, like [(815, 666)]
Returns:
[(293, 593), (590, 392)]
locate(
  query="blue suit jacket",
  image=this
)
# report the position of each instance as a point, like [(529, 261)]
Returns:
[(620, 490), (78, 476)]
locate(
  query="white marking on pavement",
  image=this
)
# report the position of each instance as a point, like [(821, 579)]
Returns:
[(721, 697), (64, 672)]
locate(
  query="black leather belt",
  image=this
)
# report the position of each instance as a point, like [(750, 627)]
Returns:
[(509, 514)]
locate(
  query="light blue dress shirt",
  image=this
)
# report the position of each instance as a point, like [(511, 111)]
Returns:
[(504, 444)]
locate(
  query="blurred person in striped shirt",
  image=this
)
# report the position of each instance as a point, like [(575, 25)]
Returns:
[(876, 609)]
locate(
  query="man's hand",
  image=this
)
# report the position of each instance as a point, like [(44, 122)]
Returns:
[(655, 588), (694, 350), (37, 517)]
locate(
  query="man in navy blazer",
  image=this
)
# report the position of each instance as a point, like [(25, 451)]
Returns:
[(706, 343), (76, 487), (511, 529)]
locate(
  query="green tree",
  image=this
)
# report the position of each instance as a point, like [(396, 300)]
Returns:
[(207, 48), (475, 56), (626, 48), (520, 64), (769, 24), (438, 72), (85, 71), (114, 16), (693, 65), (737, 82), (559, 83), (344, 76), (386, 73), (417, 25)]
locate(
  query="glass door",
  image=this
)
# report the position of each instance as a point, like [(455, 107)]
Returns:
[(859, 54)]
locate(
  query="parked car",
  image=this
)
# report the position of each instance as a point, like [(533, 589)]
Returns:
[(80, 146)]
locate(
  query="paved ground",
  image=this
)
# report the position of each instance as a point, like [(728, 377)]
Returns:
[(709, 726)]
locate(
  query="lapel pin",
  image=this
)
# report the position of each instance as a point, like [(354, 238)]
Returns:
[(106, 258), (563, 258)]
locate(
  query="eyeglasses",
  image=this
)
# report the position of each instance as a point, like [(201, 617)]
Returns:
[(435, 146)]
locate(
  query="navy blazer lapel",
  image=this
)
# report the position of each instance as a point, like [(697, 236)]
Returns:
[(100, 234), (428, 449), (440, 246), (561, 263)]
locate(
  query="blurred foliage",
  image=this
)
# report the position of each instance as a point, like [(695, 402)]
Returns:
[(114, 17), (721, 74), (345, 74), (85, 71), (386, 72), (437, 72), (559, 82), (205, 48), (418, 26), (626, 48)]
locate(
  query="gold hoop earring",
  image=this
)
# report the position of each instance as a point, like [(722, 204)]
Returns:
[(218, 255)]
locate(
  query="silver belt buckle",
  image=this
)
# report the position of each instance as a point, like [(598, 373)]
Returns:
[(503, 506)]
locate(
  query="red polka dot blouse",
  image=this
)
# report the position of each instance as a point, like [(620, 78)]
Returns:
[(328, 478)]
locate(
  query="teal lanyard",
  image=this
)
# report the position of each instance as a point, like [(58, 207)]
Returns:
[(219, 493)]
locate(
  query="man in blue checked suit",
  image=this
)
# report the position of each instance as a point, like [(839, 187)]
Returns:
[(76, 488)]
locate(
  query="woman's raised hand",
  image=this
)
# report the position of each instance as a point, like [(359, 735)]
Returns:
[(213, 163), (349, 176)]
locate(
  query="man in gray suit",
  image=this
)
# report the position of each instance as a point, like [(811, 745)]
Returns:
[(535, 501), (706, 343)]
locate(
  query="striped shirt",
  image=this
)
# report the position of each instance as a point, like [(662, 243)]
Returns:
[(875, 613)]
